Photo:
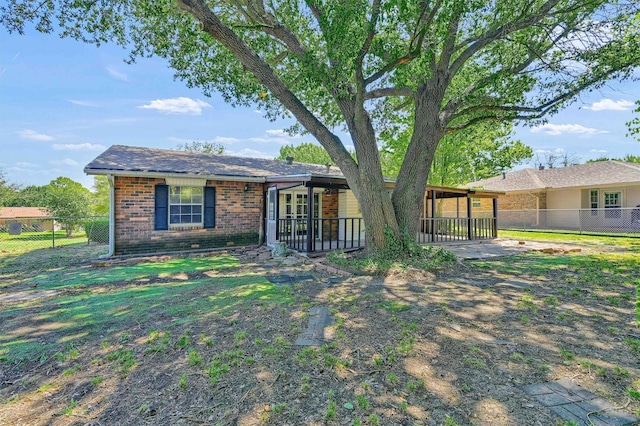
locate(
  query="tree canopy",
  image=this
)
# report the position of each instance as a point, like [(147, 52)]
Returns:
[(472, 154), (305, 152), (203, 147), (369, 65), (628, 158)]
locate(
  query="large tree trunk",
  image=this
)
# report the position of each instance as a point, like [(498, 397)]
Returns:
[(367, 183), (409, 192)]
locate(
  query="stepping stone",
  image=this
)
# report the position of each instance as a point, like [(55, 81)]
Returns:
[(314, 335), (513, 284), (335, 280), (280, 280), (300, 278), (573, 403)]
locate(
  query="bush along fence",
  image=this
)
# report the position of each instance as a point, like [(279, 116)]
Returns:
[(606, 221), (32, 233)]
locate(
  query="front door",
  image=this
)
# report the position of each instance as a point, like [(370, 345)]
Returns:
[(294, 206), (272, 221), (612, 208)]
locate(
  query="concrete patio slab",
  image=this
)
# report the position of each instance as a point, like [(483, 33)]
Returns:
[(573, 403), (500, 247)]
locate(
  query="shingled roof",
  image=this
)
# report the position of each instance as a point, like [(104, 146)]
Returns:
[(23, 212), (590, 174), (126, 160)]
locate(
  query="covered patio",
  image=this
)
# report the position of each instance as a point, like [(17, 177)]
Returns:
[(336, 223)]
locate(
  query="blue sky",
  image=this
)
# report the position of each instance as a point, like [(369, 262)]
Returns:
[(63, 102)]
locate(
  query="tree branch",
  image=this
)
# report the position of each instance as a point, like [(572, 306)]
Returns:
[(263, 73), (360, 82), (498, 33), (387, 91)]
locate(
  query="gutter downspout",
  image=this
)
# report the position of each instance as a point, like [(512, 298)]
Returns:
[(112, 216)]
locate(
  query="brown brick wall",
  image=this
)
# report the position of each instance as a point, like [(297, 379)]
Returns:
[(522, 201), (330, 210), (238, 218)]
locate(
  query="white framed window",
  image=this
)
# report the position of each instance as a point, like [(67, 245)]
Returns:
[(594, 196), (612, 205), (186, 205)]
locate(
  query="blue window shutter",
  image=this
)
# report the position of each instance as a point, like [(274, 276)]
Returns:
[(209, 207), (161, 213)]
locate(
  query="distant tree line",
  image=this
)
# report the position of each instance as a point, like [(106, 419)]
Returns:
[(62, 197)]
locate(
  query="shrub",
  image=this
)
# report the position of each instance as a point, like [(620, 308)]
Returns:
[(97, 230)]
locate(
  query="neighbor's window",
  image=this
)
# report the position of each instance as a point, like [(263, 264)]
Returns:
[(185, 205), (475, 202)]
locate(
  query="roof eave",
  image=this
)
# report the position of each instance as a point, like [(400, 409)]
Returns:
[(149, 174)]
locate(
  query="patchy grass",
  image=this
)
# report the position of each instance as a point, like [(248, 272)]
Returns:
[(30, 241), (623, 240), (90, 305), (137, 344)]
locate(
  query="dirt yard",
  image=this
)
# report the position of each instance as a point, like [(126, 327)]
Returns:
[(211, 341)]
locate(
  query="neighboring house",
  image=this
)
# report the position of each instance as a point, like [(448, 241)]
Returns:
[(164, 200), (598, 196), (32, 219)]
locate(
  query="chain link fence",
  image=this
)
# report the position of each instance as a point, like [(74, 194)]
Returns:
[(606, 221), (32, 233)]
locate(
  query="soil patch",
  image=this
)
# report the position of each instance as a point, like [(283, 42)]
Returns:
[(412, 348)]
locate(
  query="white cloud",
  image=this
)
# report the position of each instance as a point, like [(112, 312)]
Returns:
[(559, 129), (610, 105), (181, 105), (82, 103), (280, 133), (275, 136), (599, 151), (257, 111), (25, 165), (117, 74), (224, 139), (65, 162), (78, 147), (248, 152), (34, 136)]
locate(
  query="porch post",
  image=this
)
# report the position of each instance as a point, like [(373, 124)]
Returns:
[(433, 216), (458, 207), (310, 233), (495, 218), (276, 206), (469, 230)]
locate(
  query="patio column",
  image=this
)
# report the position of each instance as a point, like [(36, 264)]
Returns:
[(495, 218), (433, 215), (469, 229), (310, 233)]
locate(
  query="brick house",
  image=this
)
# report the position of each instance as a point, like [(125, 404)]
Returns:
[(165, 200), (599, 196)]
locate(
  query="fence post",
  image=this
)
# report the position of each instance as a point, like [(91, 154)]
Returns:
[(53, 233)]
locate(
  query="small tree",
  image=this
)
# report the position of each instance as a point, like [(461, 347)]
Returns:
[(100, 196), (68, 200), (8, 191)]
